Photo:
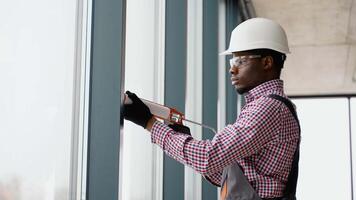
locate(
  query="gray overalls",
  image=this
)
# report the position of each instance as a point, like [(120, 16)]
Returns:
[(238, 187)]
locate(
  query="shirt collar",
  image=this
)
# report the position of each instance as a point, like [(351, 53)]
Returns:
[(270, 87)]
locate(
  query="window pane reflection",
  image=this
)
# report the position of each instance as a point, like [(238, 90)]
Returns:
[(325, 149), (353, 136), (36, 84)]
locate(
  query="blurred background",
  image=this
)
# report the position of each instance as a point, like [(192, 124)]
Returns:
[(64, 65)]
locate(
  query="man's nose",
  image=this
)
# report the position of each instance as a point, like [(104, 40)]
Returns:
[(233, 70)]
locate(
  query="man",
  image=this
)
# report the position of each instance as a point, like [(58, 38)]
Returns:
[(252, 158)]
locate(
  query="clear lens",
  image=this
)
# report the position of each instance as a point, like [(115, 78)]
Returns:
[(238, 61)]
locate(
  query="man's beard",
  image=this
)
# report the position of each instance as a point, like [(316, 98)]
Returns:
[(241, 90)]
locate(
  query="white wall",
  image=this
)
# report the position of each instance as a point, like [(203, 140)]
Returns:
[(37, 63)]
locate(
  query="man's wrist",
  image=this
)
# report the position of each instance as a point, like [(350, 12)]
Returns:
[(150, 123)]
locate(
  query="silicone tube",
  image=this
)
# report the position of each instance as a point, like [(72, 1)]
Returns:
[(157, 110), (166, 113)]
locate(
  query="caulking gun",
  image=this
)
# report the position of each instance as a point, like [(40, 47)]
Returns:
[(166, 113)]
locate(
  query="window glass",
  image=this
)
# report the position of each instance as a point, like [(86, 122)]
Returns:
[(353, 136), (36, 82), (140, 170), (325, 149)]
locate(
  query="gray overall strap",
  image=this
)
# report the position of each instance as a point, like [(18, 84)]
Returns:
[(238, 187)]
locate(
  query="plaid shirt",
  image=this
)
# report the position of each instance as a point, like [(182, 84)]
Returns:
[(262, 141)]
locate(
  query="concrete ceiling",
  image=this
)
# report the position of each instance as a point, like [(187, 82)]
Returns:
[(322, 39)]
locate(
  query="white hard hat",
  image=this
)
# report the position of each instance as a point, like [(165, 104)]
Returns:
[(258, 33)]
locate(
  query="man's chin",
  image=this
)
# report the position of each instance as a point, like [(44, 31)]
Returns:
[(240, 90)]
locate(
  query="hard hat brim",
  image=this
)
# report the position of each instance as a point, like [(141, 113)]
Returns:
[(225, 53), (229, 52)]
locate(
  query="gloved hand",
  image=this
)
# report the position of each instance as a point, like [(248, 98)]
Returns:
[(137, 112), (180, 128)]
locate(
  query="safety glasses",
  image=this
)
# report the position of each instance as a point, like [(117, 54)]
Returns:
[(239, 61)]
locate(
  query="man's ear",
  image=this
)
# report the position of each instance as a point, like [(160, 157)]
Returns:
[(268, 62)]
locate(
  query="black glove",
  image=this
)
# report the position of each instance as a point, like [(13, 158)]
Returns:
[(137, 112), (180, 128)]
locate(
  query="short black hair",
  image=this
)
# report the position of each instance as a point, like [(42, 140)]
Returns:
[(278, 57)]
